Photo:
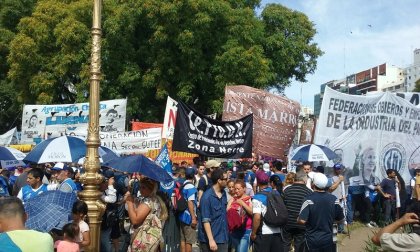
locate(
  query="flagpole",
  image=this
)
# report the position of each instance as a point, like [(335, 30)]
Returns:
[(91, 178)]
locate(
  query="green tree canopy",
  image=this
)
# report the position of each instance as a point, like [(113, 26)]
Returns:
[(189, 50)]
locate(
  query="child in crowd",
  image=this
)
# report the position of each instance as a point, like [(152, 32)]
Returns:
[(79, 213), (68, 244)]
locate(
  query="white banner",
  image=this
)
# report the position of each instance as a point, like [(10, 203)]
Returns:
[(7, 137), (130, 142), (170, 118), (43, 121), (371, 133)]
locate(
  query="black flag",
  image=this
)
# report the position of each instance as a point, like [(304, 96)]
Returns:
[(197, 133)]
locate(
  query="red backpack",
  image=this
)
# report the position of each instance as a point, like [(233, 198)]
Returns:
[(236, 217)]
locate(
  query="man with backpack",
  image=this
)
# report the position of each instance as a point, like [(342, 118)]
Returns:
[(188, 217), (318, 213), (266, 234)]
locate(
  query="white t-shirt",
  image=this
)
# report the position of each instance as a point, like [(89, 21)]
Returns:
[(83, 227), (259, 208)]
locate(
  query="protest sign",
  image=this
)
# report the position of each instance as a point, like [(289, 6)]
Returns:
[(275, 118), (140, 141), (169, 119), (197, 133), (43, 121), (371, 133)]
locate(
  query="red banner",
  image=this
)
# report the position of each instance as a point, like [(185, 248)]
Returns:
[(275, 118)]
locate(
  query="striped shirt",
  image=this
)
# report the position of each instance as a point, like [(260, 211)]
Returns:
[(293, 197)]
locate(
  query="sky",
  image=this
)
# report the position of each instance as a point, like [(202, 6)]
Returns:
[(355, 35)]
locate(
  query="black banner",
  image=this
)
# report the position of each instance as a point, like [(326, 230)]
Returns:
[(197, 133)]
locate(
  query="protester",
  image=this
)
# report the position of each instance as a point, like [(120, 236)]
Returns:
[(149, 203), (213, 229), (242, 204), (276, 183), (338, 190), (200, 173), (188, 219), (68, 244), (265, 238), (79, 214), (290, 179), (250, 175), (391, 241), (34, 187), (293, 197), (307, 168), (110, 217), (387, 189), (205, 182), (278, 170), (240, 175), (65, 177), (13, 234), (318, 213), (5, 188), (19, 181), (230, 189)]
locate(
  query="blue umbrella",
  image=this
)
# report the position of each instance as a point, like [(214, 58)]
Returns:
[(49, 210), (10, 157), (140, 164), (313, 152), (105, 154), (64, 149)]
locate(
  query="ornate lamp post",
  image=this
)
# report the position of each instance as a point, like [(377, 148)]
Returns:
[(91, 179)]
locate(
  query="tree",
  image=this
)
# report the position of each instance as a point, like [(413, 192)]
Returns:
[(189, 50)]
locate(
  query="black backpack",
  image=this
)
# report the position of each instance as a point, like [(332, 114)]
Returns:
[(276, 215)]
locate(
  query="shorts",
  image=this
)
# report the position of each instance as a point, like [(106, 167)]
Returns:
[(188, 234)]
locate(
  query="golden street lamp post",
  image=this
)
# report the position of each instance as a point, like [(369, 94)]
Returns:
[(91, 178)]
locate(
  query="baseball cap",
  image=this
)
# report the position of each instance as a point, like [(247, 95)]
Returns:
[(338, 166), (60, 166), (320, 180), (212, 163), (262, 177)]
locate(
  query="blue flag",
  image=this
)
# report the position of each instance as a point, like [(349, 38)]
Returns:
[(164, 161)]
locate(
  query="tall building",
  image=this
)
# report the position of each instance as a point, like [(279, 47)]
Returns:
[(412, 72), (379, 78)]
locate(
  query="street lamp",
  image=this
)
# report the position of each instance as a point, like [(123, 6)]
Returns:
[(91, 178)]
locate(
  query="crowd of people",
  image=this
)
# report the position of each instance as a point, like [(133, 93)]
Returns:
[(228, 206)]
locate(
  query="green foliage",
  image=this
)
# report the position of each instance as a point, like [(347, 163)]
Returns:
[(151, 49)]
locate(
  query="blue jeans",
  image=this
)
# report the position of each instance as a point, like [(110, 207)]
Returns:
[(105, 240), (349, 216), (240, 240)]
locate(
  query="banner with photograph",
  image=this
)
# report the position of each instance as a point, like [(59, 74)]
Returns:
[(370, 134), (43, 121), (197, 133), (130, 142), (275, 118)]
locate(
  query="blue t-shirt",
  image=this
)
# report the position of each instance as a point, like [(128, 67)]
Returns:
[(320, 210), (213, 211), (250, 177), (388, 186), (190, 194)]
